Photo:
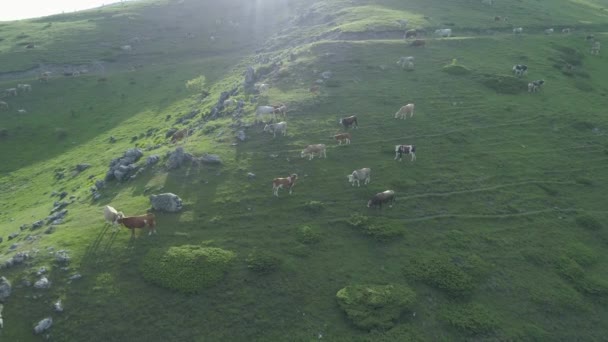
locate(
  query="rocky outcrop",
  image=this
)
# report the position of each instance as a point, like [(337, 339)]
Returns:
[(5, 289), (166, 202), (124, 167)]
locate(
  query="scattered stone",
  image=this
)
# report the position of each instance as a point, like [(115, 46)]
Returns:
[(241, 135), (210, 159), (49, 230), (5, 289), (58, 306), (56, 216), (62, 257), (13, 246), (249, 77), (12, 236), (42, 270), (250, 175), (152, 160), (57, 206), (175, 158), (166, 202), (82, 167), (187, 117), (43, 325), (37, 224), (100, 184), (24, 227), (112, 140), (63, 194), (75, 277), (42, 283), (122, 168)]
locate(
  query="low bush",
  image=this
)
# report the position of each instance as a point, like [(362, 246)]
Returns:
[(471, 319), (589, 222), (262, 261), (308, 235), (441, 273)]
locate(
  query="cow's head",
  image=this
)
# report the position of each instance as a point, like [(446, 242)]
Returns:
[(369, 203), (303, 154), (267, 128), (351, 178), (341, 122)]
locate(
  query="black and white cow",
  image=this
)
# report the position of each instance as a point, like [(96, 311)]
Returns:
[(520, 69), (349, 121), (381, 198), (400, 150), (534, 86)]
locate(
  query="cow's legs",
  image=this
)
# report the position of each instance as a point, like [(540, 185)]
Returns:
[(413, 156)]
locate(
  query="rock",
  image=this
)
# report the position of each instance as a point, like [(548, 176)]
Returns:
[(249, 77), (100, 184), (57, 206), (42, 270), (152, 160), (56, 216), (5, 289), (19, 258), (62, 257), (75, 277), (58, 306), (210, 159), (250, 175), (12, 236), (63, 194), (82, 167), (42, 283), (326, 74), (49, 230), (241, 135), (176, 158), (24, 227), (13, 246), (37, 224), (166, 202), (134, 153), (43, 325), (26, 282)]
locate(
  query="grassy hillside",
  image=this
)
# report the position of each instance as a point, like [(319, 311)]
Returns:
[(498, 227)]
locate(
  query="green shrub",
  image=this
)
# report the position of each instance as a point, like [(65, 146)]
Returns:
[(589, 222), (262, 261), (186, 268), (471, 319), (454, 69), (358, 220), (196, 84), (378, 231), (580, 253), (443, 274), (375, 306), (307, 235)]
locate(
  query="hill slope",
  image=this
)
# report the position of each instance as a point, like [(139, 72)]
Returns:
[(497, 227)]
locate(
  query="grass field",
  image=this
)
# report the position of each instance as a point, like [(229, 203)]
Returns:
[(498, 227)]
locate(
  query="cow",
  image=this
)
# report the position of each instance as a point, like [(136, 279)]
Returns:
[(262, 111), (595, 48), (11, 92), (520, 69), (143, 221), (44, 77), (549, 31), (112, 215), (404, 111), (534, 86), (381, 198), (179, 135), (24, 87), (3, 105), (418, 42), (279, 183), (566, 30), (21, 111), (406, 61), (343, 138), (518, 30), (444, 32), (349, 121), (400, 150), (280, 127), (280, 109), (311, 150), (363, 174), (410, 34)]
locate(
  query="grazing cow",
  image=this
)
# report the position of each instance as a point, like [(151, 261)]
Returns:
[(11, 92), (549, 31), (3, 105), (143, 221), (261, 87), (21, 111), (280, 127), (520, 69), (400, 150), (229, 102), (381, 198), (406, 61), (595, 48), (343, 138), (44, 77), (112, 215), (262, 111), (280, 109), (349, 121), (418, 42), (534, 86), (590, 37), (24, 87), (311, 150), (518, 30), (444, 32), (413, 33), (566, 30), (279, 183), (363, 174), (404, 111), (179, 135), (126, 48)]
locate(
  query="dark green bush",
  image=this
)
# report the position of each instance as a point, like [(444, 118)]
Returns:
[(375, 306), (186, 268), (471, 319), (589, 222), (262, 261), (307, 235), (443, 274)]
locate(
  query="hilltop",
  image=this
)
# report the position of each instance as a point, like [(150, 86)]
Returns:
[(498, 227)]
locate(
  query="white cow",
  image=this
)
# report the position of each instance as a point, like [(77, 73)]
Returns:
[(405, 61), (11, 92), (112, 215), (518, 30), (311, 150), (280, 127), (549, 31), (444, 32), (24, 87), (404, 111), (21, 111), (363, 174), (262, 111)]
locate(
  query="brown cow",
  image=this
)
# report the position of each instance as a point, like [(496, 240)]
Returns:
[(141, 222), (343, 138), (288, 183), (179, 135)]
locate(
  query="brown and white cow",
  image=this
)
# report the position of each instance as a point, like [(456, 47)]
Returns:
[(280, 109), (343, 138), (143, 221), (179, 135), (404, 111), (280, 127), (363, 174), (311, 150), (381, 198), (279, 183), (349, 121), (400, 150)]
